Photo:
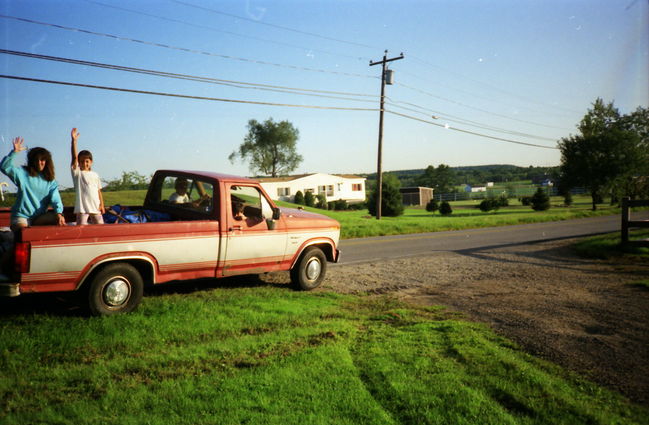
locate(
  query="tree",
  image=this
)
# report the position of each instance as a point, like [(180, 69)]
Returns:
[(309, 199), (391, 201), (130, 180), (540, 200), (269, 147), (321, 201), (445, 208), (299, 198), (432, 205), (442, 178), (610, 148)]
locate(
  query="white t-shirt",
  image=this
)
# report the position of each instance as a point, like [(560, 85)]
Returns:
[(86, 188), (179, 199)]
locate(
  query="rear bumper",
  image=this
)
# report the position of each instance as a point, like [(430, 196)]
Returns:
[(9, 289)]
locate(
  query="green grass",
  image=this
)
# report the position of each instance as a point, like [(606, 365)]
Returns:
[(268, 355), (609, 246), (355, 224)]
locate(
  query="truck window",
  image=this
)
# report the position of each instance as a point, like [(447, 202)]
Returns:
[(186, 193), (249, 202)]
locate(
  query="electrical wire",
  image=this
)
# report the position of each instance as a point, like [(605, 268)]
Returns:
[(195, 25), (324, 37), (463, 121), (183, 49), (478, 109), (176, 95), (231, 83), (487, 85), (470, 132), (184, 96), (238, 85)]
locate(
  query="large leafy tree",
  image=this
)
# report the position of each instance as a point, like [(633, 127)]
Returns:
[(269, 148), (442, 178), (609, 148)]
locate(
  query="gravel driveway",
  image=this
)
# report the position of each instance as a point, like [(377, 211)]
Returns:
[(580, 313)]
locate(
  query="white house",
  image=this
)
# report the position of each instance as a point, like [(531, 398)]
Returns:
[(335, 186)]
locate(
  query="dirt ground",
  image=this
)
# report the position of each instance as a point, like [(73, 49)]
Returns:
[(582, 314)]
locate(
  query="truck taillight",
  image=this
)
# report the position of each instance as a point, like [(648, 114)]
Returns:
[(22, 257)]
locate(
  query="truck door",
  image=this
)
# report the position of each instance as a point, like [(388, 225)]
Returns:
[(255, 242)]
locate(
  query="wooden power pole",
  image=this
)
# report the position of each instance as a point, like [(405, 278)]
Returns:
[(379, 174)]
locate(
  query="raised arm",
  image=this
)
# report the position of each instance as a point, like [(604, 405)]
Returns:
[(74, 135)]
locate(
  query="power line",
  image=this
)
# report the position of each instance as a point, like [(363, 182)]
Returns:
[(231, 83), (184, 96), (470, 132), (470, 123), (195, 25), (215, 99), (489, 86), (324, 37), (183, 49), (478, 109)]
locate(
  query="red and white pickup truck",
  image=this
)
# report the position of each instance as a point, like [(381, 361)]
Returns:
[(204, 236)]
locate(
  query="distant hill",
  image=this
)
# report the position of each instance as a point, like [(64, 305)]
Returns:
[(479, 174)]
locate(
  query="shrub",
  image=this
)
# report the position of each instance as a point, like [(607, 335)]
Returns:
[(502, 201), (309, 199), (321, 201), (445, 208), (488, 205), (432, 205), (526, 201), (357, 206), (540, 200), (567, 199), (338, 205), (299, 198), (391, 201)]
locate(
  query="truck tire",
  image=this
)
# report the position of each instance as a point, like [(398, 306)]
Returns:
[(309, 272), (117, 288)]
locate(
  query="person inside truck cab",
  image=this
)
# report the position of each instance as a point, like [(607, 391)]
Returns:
[(37, 188), (180, 196)]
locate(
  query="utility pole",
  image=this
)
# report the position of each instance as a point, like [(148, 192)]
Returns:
[(379, 174)]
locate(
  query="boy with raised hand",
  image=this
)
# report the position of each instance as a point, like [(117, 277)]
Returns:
[(89, 202)]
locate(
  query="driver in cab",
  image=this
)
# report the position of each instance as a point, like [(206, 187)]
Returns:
[(181, 197)]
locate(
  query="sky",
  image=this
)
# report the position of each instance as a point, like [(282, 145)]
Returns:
[(481, 81)]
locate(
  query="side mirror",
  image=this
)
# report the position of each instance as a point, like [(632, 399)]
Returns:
[(276, 213), (271, 224)]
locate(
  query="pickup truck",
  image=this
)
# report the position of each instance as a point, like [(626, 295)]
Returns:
[(225, 226)]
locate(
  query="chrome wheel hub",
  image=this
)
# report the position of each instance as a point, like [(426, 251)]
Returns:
[(313, 269), (117, 291)]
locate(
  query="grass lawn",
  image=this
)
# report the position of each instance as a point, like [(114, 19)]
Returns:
[(269, 355), (355, 224)]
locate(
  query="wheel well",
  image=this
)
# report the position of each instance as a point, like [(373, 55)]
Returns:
[(326, 249), (142, 266)]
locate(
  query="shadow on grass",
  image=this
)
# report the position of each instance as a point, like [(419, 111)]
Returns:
[(72, 304)]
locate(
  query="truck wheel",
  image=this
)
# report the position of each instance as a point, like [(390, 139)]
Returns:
[(117, 288), (310, 269)]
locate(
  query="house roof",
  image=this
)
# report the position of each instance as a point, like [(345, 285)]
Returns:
[(300, 176)]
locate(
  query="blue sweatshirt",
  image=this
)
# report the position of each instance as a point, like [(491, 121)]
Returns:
[(35, 194)]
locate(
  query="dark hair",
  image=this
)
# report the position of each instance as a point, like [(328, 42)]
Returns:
[(36, 154), (84, 153)]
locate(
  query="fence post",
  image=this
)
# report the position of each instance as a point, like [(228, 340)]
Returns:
[(625, 220)]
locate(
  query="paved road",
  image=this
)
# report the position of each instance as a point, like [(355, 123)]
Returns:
[(384, 247)]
